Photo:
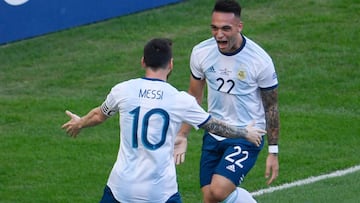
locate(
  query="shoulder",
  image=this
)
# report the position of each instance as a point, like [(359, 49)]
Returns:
[(185, 97), (184, 94), (204, 52), (125, 84), (256, 50), (208, 44)]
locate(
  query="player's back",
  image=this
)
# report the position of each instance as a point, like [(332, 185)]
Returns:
[(151, 112)]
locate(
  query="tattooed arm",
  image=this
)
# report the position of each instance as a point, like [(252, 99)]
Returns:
[(270, 102), (249, 133)]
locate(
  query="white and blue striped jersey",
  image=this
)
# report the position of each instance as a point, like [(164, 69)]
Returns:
[(234, 81), (151, 113)]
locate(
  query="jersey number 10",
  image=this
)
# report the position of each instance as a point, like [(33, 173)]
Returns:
[(144, 127)]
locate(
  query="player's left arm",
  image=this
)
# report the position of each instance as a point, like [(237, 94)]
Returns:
[(270, 102), (250, 132)]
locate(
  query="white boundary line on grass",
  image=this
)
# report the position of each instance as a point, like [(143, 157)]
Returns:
[(307, 180)]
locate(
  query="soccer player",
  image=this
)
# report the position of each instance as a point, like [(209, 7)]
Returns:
[(151, 112), (242, 86)]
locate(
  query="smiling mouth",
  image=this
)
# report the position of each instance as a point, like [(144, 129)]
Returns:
[(221, 42)]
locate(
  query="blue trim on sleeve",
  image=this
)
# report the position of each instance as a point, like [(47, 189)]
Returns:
[(269, 88), (201, 124), (196, 78)]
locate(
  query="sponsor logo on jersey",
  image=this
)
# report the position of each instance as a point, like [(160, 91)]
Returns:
[(211, 70)]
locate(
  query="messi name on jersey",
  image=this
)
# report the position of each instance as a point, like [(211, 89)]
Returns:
[(151, 94)]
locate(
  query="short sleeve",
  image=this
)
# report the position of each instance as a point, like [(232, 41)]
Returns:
[(194, 114), (109, 107), (268, 77), (195, 68)]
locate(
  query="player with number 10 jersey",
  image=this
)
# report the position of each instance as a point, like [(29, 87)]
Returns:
[(144, 147)]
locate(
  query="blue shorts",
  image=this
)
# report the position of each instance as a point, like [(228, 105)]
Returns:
[(108, 197), (231, 158)]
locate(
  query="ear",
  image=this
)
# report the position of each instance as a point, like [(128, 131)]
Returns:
[(240, 26), (171, 64), (143, 64)]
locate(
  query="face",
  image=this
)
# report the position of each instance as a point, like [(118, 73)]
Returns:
[(226, 28)]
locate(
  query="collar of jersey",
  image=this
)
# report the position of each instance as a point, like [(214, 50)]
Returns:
[(237, 50), (153, 79)]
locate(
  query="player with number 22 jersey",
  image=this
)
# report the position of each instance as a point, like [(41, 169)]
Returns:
[(234, 80)]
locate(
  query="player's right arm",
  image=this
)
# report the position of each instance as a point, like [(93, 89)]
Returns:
[(196, 89), (76, 123)]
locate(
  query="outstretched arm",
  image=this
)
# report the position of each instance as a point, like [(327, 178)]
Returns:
[(181, 143), (250, 133), (75, 124), (270, 102), (196, 89)]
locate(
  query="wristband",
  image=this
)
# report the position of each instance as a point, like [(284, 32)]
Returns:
[(273, 149)]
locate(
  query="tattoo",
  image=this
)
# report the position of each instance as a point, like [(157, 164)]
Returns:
[(270, 102), (222, 129)]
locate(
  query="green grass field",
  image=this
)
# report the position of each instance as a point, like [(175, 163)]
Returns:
[(315, 46)]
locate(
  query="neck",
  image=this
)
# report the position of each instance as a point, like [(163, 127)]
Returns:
[(159, 74), (239, 42)]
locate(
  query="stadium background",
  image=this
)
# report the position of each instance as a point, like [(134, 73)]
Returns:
[(315, 47)]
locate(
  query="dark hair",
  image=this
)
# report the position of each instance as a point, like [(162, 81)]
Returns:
[(158, 53), (228, 6)]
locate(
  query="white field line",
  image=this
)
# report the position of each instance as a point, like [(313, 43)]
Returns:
[(307, 180)]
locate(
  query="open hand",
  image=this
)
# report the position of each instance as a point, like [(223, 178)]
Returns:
[(272, 168), (72, 127), (254, 134), (180, 149)]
